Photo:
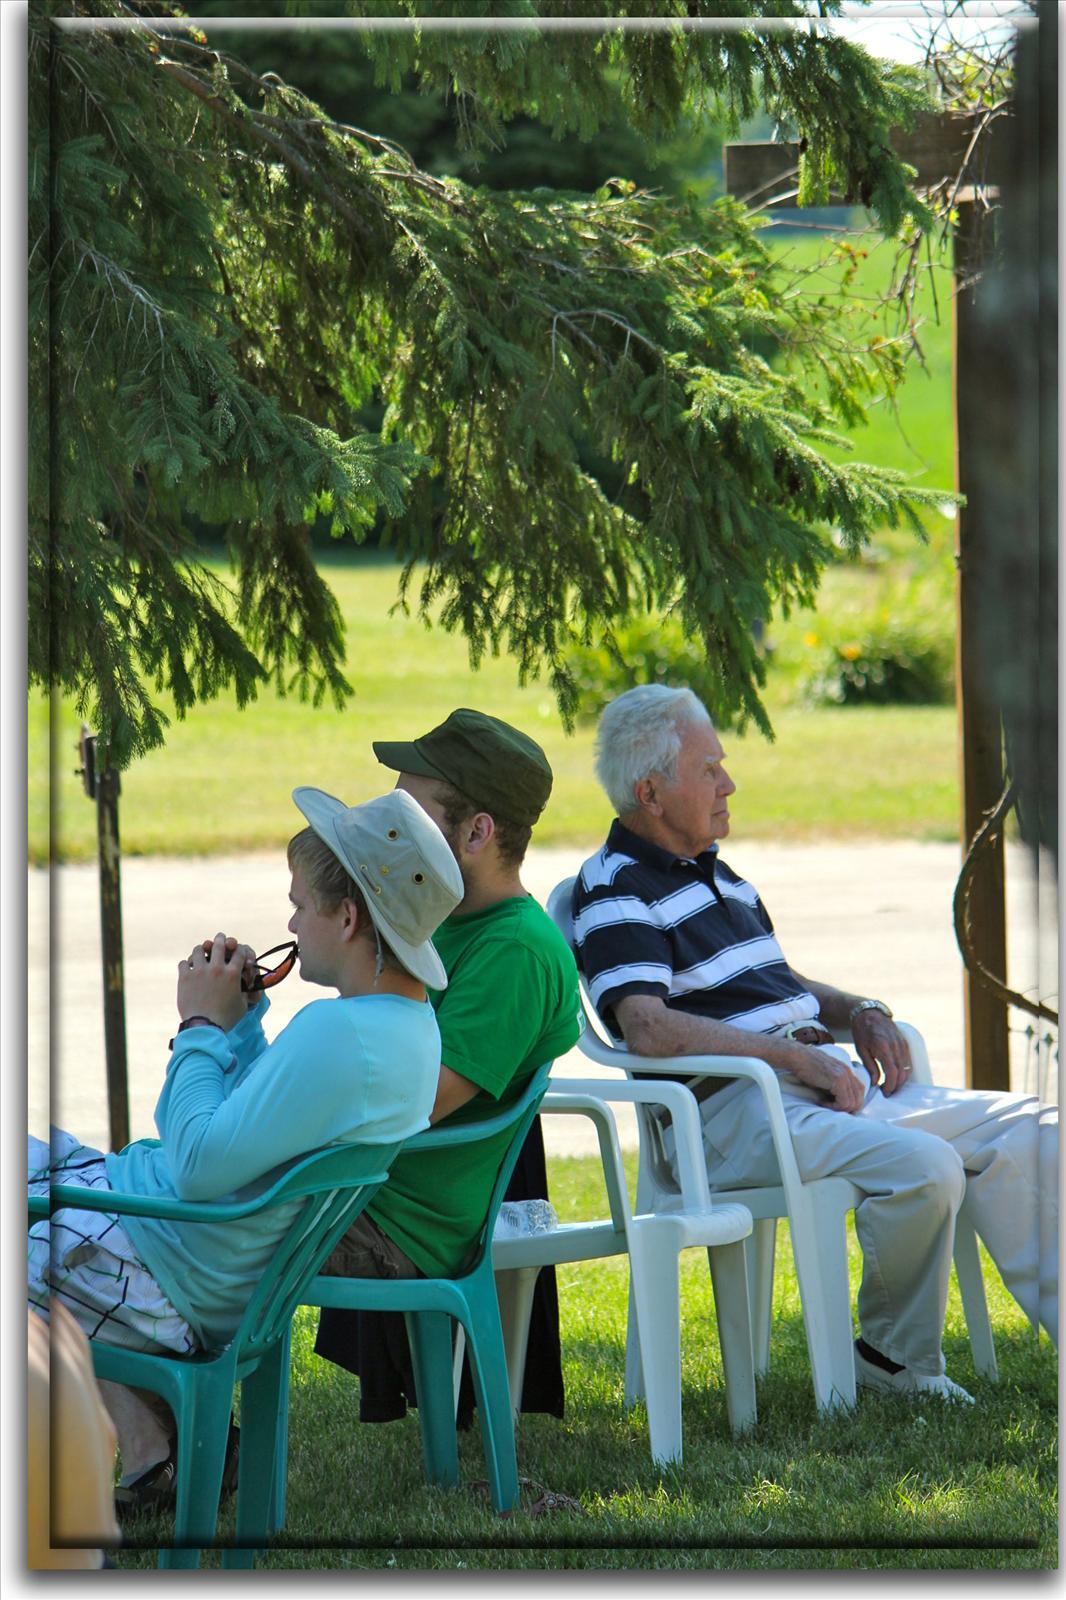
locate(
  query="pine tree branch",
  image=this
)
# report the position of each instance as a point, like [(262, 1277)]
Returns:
[(664, 445), (251, 122)]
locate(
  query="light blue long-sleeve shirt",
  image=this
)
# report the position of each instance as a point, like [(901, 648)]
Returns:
[(234, 1109)]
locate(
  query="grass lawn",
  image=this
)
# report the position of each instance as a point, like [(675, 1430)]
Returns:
[(913, 433), (223, 781), (891, 1485)]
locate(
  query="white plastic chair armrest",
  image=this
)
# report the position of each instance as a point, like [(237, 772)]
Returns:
[(578, 1099), (681, 1104), (760, 1072)]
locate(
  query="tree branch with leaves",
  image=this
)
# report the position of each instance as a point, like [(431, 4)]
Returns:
[(591, 404)]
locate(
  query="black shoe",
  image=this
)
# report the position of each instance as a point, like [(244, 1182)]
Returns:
[(154, 1490)]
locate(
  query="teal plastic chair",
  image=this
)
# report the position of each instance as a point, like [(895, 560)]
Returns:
[(430, 1304), (334, 1185)]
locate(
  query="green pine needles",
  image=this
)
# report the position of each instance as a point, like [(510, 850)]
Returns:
[(588, 405)]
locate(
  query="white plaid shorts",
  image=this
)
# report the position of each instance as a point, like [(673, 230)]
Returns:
[(87, 1259)]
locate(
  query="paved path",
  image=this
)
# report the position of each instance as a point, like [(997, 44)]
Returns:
[(902, 948)]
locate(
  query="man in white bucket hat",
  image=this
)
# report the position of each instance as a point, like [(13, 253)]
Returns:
[(370, 884)]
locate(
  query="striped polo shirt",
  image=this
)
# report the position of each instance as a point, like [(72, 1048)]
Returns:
[(689, 931)]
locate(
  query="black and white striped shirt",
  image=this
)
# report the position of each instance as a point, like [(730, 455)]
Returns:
[(688, 931)]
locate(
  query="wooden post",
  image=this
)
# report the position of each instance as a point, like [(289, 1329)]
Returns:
[(765, 175), (103, 787), (981, 769)]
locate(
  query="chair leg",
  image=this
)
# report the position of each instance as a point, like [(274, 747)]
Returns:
[(821, 1263), (488, 1366), (203, 1427), (514, 1291), (729, 1281), (974, 1304), (281, 1448), (654, 1294), (830, 1229), (429, 1334), (264, 1432), (634, 1378), (759, 1248)]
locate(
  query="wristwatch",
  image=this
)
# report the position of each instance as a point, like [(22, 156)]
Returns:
[(867, 1005), (195, 1022), (206, 1022)]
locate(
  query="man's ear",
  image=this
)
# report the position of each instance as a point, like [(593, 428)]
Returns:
[(479, 831), (646, 797), (350, 922)]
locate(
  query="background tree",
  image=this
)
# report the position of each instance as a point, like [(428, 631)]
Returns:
[(222, 276)]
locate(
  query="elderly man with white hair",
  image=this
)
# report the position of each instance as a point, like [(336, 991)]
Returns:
[(681, 958)]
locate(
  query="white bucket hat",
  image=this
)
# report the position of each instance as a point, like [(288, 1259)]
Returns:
[(401, 862)]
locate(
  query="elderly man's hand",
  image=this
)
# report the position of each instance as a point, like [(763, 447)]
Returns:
[(883, 1050), (820, 1070)]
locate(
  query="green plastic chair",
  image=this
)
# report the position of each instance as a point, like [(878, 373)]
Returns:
[(430, 1304), (334, 1184)]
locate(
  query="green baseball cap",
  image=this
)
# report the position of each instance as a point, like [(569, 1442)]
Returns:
[(487, 759)]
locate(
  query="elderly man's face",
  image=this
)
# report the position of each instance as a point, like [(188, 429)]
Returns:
[(693, 810)]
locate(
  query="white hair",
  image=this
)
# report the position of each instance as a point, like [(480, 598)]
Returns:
[(640, 733)]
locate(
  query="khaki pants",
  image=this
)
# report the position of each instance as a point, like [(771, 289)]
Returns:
[(915, 1155)]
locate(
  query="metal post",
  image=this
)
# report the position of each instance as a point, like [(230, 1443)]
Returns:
[(103, 787)]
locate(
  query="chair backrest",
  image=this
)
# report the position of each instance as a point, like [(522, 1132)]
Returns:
[(334, 1185), (519, 1119), (654, 1161), (558, 909), (559, 903)]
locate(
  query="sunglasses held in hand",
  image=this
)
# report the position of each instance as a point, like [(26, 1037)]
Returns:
[(266, 977)]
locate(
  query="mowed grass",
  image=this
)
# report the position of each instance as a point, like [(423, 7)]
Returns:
[(222, 782), (892, 1485), (913, 432)]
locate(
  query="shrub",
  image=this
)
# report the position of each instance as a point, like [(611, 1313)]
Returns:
[(901, 661), (653, 650)]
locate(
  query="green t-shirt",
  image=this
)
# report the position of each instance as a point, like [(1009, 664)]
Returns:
[(511, 1004)]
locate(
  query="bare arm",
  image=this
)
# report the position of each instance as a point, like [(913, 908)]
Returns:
[(453, 1091), (651, 1028), (883, 1050), (834, 1005)]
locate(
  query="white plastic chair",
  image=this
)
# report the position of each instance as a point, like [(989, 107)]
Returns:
[(653, 1242), (816, 1212)]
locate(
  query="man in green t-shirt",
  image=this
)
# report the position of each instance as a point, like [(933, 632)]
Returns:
[(511, 1004)]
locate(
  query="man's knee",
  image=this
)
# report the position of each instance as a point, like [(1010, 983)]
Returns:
[(943, 1174), (914, 1167)]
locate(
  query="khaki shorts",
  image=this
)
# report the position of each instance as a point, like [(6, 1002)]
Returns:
[(365, 1252)]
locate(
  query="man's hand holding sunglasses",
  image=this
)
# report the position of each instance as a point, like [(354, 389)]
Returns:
[(209, 982)]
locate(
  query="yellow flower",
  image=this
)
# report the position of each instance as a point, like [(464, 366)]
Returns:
[(810, 640), (851, 652)]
